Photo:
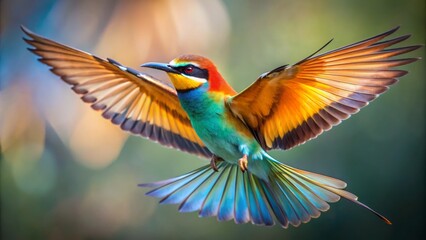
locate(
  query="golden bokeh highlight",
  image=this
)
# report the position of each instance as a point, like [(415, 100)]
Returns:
[(96, 142)]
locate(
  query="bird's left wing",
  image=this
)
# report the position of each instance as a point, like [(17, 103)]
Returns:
[(136, 101), (292, 104)]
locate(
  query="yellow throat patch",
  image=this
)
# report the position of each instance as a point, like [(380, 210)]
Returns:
[(183, 83)]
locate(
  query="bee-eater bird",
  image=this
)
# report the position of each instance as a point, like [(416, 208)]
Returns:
[(200, 113)]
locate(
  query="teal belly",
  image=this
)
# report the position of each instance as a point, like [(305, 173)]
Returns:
[(223, 140), (207, 112)]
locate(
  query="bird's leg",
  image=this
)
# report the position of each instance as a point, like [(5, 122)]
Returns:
[(243, 163), (214, 161)]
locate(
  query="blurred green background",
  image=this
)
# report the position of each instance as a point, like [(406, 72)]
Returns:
[(66, 173)]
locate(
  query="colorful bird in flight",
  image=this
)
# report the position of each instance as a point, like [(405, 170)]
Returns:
[(200, 113)]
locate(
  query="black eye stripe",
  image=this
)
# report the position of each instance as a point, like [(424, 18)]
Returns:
[(196, 71)]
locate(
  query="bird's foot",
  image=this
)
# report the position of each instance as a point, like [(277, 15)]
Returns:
[(215, 159), (243, 163)]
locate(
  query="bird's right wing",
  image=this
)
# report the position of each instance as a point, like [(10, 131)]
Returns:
[(136, 101), (292, 104)]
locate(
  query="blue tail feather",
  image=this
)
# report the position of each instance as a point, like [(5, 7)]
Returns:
[(226, 208), (310, 197), (293, 196), (211, 203), (254, 209), (241, 214), (276, 208), (262, 202), (166, 187), (285, 200), (196, 199), (310, 209), (316, 187)]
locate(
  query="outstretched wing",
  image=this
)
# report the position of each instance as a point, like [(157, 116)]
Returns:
[(292, 104), (137, 102)]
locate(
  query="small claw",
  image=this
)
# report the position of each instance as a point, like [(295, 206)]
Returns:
[(243, 163), (214, 161), (213, 165)]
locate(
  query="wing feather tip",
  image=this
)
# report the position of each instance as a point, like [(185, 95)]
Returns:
[(98, 106), (88, 99), (79, 90), (26, 30), (391, 31)]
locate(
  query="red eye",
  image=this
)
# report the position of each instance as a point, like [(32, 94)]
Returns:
[(189, 70)]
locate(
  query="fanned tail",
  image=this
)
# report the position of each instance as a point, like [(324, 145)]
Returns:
[(293, 196)]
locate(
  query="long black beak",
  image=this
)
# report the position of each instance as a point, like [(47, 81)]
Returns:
[(160, 66)]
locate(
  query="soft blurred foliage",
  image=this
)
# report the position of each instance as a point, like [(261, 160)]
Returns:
[(66, 173)]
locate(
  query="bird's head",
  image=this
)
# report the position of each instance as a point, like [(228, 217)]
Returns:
[(189, 72)]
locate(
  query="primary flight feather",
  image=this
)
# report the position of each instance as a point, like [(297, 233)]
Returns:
[(203, 115)]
